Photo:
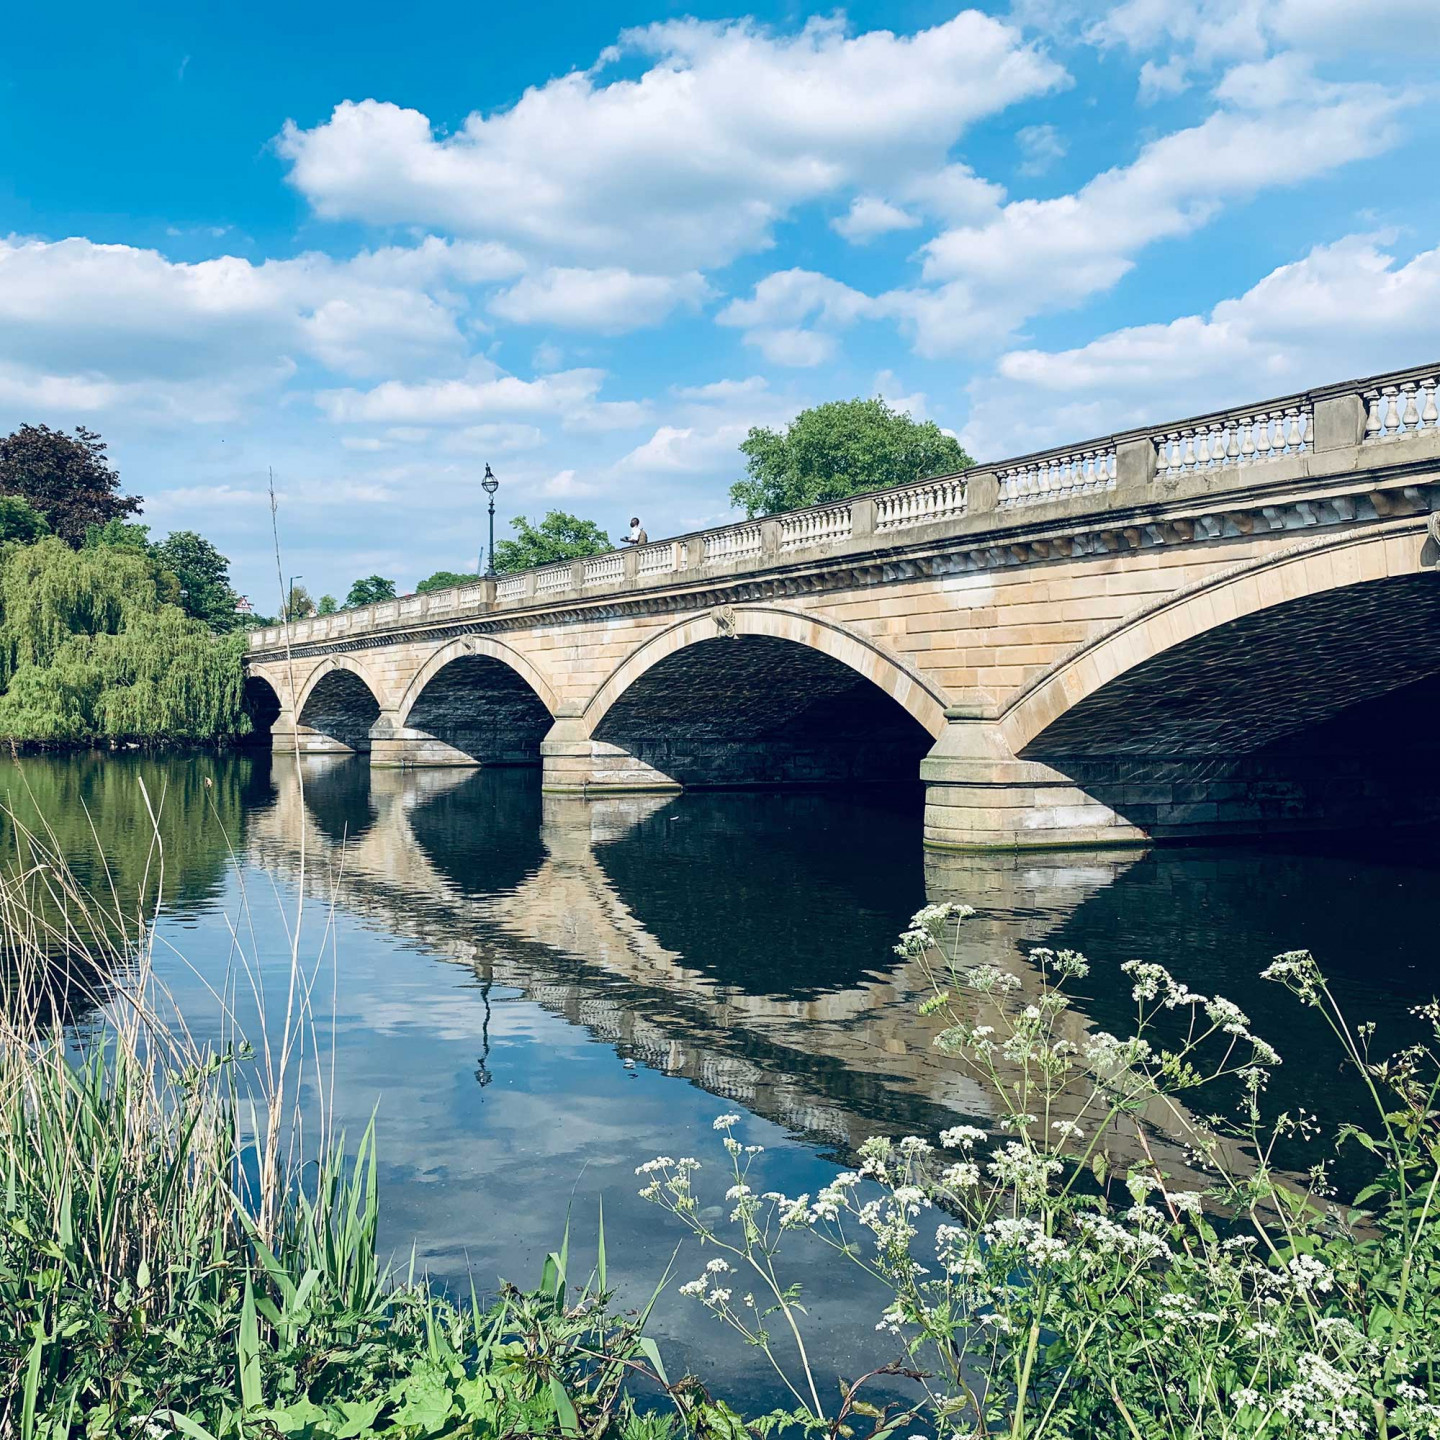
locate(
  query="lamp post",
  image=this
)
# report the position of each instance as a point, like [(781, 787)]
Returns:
[(290, 596), (490, 485)]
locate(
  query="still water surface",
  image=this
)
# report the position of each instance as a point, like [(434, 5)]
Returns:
[(535, 995)]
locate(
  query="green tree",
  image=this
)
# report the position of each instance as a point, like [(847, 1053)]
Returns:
[(442, 580), (843, 448), (327, 605), (557, 537), (67, 478), (118, 535), (20, 521), (89, 651), (203, 574), (298, 603), (369, 590)]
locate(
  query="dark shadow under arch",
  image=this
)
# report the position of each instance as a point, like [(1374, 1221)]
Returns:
[(261, 704), (759, 710), (342, 708), (483, 708)]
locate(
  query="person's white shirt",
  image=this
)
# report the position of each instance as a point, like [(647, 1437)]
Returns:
[(637, 534)]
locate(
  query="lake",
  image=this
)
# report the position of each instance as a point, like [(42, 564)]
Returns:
[(535, 995)]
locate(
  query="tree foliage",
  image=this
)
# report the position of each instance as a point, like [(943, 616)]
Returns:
[(559, 536), (442, 580), (203, 574), (298, 603), (327, 605), (89, 651), (67, 478), (369, 590), (846, 447), (20, 521)]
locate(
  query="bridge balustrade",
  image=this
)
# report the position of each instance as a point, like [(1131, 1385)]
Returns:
[(1396, 410), (1385, 407)]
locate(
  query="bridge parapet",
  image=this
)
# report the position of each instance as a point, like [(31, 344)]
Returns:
[(1336, 430)]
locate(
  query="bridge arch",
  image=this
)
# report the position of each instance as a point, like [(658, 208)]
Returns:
[(1290, 693), (1306, 572), (919, 696), (480, 646), (475, 700), (262, 704), (340, 699), (759, 695)]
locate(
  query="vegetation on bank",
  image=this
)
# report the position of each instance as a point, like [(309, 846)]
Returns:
[(106, 635), (181, 1255)]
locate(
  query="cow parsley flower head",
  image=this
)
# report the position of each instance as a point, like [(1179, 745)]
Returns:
[(1298, 972), (961, 1137)]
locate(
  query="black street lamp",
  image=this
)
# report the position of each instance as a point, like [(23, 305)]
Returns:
[(490, 485), (290, 596)]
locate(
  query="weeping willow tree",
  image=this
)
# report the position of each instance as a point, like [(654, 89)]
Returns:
[(90, 651)]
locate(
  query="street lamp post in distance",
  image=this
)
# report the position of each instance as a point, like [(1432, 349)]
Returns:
[(490, 485)]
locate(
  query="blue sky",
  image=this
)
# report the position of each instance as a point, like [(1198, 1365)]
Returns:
[(372, 248)]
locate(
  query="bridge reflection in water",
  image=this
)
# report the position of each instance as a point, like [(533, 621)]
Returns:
[(740, 941)]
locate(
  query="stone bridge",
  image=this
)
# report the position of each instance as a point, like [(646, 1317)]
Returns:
[(1225, 625)]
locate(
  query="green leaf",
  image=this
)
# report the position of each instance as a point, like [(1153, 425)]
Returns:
[(651, 1351), (564, 1410), (600, 1249), (248, 1350), (186, 1425), (32, 1388)]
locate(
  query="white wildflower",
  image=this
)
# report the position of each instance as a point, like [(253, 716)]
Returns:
[(961, 1137)]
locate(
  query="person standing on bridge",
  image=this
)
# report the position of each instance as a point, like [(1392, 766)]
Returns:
[(637, 535)]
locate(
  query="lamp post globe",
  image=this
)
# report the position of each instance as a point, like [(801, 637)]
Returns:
[(490, 485)]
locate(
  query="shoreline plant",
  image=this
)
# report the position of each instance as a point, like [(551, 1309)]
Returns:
[(179, 1258), (1057, 1281)]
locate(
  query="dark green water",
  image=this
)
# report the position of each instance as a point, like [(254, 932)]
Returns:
[(536, 995)]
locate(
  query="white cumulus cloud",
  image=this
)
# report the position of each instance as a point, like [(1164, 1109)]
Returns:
[(1344, 309), (611, 299), (692, 162), (1277, 126)]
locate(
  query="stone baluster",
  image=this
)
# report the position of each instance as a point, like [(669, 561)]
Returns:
[(1232, 443), (1411, 418), (1429, 416), (1247, 445), (1392, 410), (1373, 424), (1270, 443)]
